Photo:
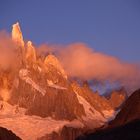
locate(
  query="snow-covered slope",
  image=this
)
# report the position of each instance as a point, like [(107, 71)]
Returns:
[(30, 127)]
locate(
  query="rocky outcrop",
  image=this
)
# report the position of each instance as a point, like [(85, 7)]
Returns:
[(129, 131), (51, 60), (130, 110), (126, 125), (42, 88), (117, 98), (100, 103), (57, 102), (17, 35), (19, 49), (30, 53), (7, 135), (67, 133)]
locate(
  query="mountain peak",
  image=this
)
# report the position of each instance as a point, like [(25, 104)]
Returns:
[(30, 52), (17, 34), (52, 60)]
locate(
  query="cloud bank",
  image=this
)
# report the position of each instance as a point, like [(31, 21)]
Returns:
[(78, 60), (82, 62)]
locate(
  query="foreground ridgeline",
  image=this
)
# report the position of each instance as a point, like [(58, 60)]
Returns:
[(7, 135), (126, 125), (39, 100)]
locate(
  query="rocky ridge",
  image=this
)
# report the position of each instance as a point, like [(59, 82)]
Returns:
[(41, 86)]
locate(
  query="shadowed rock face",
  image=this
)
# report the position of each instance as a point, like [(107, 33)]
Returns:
[(130, 110), (98, 102), (117, 98), (67, 133), (7, 135), (126, 125), (56, 103), (128, 131)]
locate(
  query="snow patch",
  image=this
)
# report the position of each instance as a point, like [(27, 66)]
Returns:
[(31, 127), (108, 114), (23, 74), (91, 113), (51, 84), (7, 110)]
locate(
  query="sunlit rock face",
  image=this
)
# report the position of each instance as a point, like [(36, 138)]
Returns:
[(53, 61), (96, 101), (17, 35), (5, 92), (43, 89), (117, 98), (17, 38), (30, 52)]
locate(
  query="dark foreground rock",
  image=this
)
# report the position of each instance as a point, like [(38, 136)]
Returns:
[(130, 131), (67, 133), (130, 110), (7, 135), (126, 125)]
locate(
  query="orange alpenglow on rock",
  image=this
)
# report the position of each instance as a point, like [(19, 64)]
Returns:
[(17, 35), (52, 60), (4, 92), (30, 52)]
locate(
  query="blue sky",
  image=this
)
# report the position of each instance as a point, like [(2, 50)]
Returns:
[(108, 26)]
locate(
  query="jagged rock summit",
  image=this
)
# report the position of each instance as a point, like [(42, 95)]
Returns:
[(43, 90), (30, 52), (17, 35), (52, 60)]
